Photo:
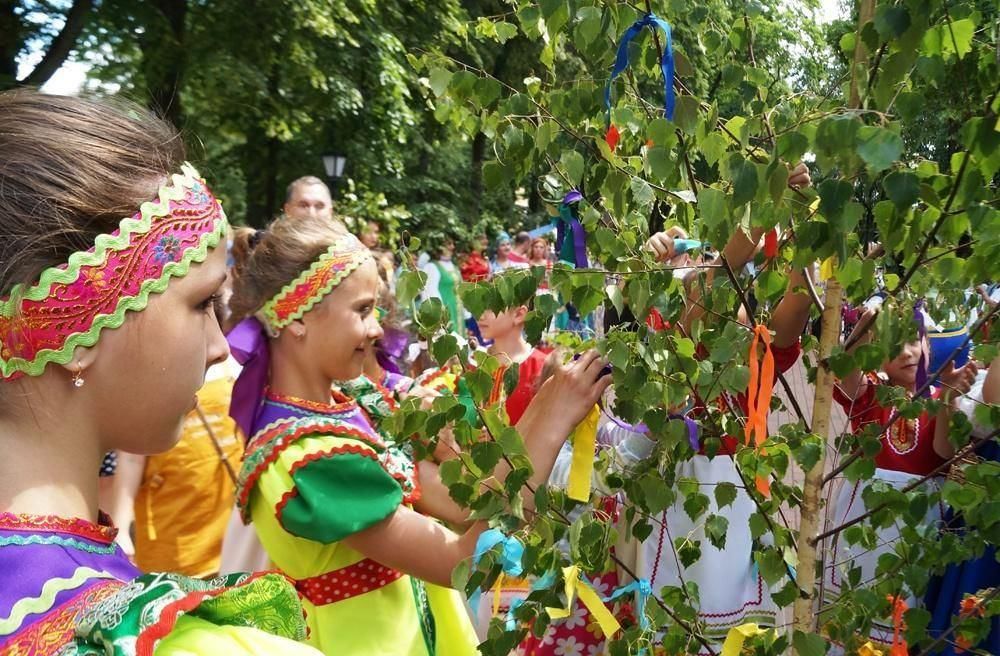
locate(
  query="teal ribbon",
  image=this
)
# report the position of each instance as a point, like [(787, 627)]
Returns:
[(666, 63), (642, 590), (510, 560), (546, 581)]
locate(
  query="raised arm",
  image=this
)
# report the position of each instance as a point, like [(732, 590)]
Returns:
[(956, 382), (791, 315), (417, 545)]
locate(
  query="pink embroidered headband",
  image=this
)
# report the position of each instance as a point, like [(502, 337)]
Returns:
[(73, 302), (299, 296)]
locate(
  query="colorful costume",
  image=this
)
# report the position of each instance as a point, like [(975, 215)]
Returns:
[(317, 473), (68, 589), (731, 590), (475, 268), (187, 494), (442, 283), (907, 454), (65, 587)]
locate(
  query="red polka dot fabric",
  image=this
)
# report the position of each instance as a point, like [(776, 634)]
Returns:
[(357, 579)]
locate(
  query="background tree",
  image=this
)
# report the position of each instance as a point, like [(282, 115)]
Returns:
[(28, 26)]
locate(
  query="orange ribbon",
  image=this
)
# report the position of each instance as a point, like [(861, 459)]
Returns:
[(899, 607), (497, 393), (759, 397)]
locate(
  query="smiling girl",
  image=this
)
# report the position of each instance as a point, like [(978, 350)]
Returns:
[(336, 505)]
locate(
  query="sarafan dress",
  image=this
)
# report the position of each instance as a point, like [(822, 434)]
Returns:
[(316, 473), (67, 588)]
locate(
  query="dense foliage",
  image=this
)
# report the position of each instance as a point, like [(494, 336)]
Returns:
[(887, 168)]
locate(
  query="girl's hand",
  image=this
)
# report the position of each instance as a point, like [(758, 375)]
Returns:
[(661, 245), (798, 177), (574, 388), (426, 396), (958, 382)]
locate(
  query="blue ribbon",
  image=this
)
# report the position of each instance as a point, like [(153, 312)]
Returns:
[(682, 246), (573, 251), (642, 590), (544, 230), (666, 63), (510, 562)]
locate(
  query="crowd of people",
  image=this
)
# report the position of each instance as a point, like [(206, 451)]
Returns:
[(231, 385)]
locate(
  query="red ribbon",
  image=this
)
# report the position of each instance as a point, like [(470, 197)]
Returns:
[(612, 137), (771, 244)]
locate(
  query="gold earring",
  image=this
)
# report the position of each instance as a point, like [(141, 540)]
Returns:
[(78, 376)]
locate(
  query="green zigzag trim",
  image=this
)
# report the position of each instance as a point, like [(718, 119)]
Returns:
[(72, 543), (105, 242), (135, 303), (47, 597), (268, 309)]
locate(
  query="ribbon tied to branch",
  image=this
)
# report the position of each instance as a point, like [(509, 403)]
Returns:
[(622, 62), (571, 238)]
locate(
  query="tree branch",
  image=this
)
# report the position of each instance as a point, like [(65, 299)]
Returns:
[(62, 44)]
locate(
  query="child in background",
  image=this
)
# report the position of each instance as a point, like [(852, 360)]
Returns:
[(506, 330), (947, 594), (911, 448)]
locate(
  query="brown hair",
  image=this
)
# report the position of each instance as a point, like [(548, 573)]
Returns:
[(267, 260), (71, 169)]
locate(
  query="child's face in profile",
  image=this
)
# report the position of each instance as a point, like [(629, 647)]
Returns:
[(492, 325), (902, 370)]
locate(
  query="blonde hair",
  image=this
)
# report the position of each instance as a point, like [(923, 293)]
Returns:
[(267, 260)]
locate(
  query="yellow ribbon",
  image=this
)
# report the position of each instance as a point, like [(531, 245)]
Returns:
[(868, 649), (591, 600), (497, 588), (581, 469), (737, 636), (828, 268)]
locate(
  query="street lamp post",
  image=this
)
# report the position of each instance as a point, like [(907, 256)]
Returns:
[(334, 164)]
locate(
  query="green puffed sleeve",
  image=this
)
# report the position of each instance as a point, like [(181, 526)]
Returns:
[(333, 487)]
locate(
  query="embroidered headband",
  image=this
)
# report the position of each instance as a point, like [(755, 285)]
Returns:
[(299, 296), (73, 302)]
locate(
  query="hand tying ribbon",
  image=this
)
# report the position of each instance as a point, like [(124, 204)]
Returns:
[(759, 397), (622, 62), (510, 559), (575, 585), (248, 344), (572, 251)]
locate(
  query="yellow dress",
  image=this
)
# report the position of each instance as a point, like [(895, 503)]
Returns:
[(314, 474), (186, 496)]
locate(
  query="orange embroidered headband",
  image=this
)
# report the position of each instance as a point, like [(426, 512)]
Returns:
[(299, 296), (73, 302)]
